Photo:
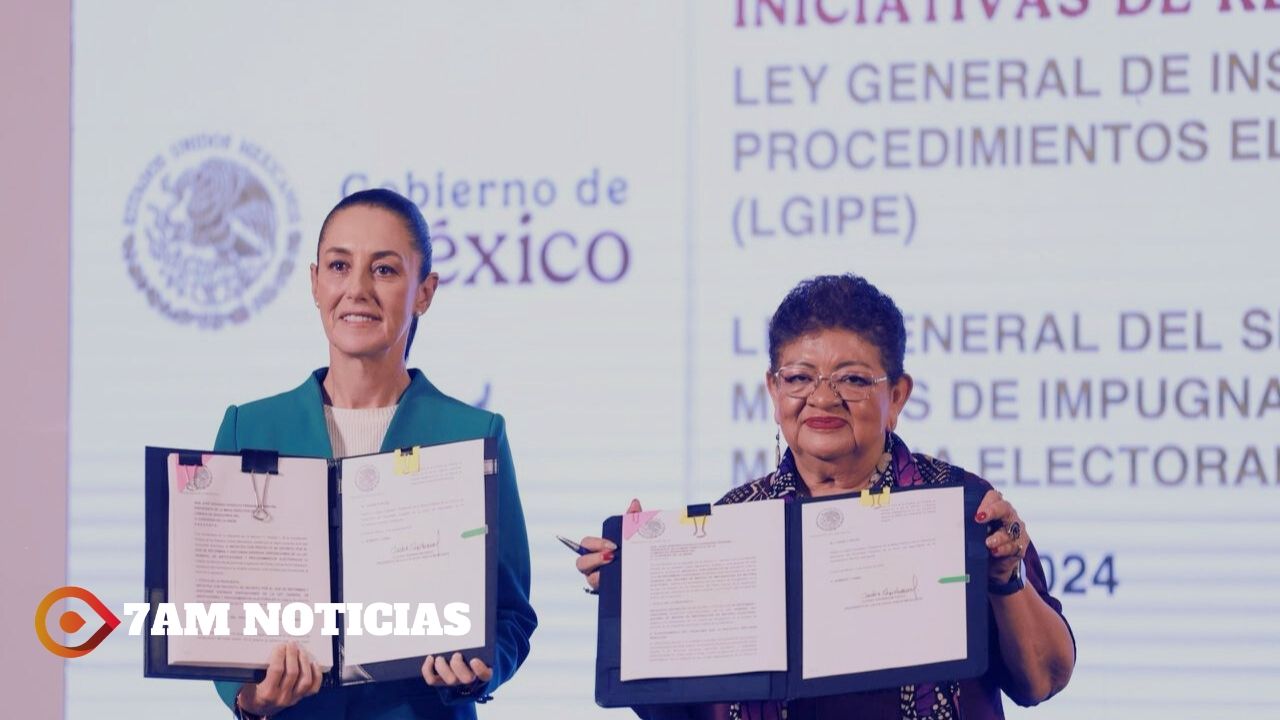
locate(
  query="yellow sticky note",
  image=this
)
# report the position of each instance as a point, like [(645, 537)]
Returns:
[(870, 499), (407, 462)]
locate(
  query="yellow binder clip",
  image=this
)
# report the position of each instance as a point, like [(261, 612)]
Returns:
[(870, 499), (407, 461)]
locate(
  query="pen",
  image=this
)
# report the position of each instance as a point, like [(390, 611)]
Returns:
[(573, 546)]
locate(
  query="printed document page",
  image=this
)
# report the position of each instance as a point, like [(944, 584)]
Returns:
[(884, 583), (704, 595), (414, 536), (238, 537)]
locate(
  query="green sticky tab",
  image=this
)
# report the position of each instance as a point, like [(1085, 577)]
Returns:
[(954, 579), (475, 531)]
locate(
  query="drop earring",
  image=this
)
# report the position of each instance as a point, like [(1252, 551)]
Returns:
[(777, 447)]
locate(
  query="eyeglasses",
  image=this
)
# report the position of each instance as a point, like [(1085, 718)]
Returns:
[(799, 382)]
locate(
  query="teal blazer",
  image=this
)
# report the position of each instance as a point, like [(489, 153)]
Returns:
[(292, 423)]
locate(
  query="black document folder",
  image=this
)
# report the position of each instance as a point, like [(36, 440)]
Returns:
[(612, 691), (160, 485)]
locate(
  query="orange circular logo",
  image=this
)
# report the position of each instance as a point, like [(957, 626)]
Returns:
[(71, 621)]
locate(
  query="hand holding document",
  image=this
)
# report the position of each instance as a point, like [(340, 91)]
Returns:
[(777, 599), (369, 563)]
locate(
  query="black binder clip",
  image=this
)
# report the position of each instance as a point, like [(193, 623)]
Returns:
[(188, 459), (697, 515), (192, 474), (260, 462)]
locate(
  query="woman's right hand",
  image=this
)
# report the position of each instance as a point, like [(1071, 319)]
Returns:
[(602, 553), (292, 674)]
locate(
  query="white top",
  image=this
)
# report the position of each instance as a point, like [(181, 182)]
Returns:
[(357, 431)]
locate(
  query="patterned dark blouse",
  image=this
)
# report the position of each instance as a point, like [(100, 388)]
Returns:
[(972, 699)]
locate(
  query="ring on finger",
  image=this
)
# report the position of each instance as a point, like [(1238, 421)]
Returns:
[(1015, 530), (590, 590)]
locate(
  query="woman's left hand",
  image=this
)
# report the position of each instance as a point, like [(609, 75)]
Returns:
[(1035, 643), (1006, 545), (453, 672)]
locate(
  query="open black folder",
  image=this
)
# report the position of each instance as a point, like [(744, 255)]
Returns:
[(171, 471), (612, 691)]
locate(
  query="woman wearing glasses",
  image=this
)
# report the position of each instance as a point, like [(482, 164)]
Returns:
[(836, 378)]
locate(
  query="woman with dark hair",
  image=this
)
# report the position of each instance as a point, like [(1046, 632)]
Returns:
[(371, 282), (836, 378)]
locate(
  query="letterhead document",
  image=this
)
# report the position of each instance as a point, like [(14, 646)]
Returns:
[(783, 599), (882, 582), (704, 595), (369, 562), (414, 538), (237, 537)]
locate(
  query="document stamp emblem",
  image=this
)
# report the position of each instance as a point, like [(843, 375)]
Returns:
[(201, 479), (652, 529), (830, 519), (367, 478)]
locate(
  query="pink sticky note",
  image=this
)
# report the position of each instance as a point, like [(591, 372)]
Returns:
[(632, 522), (180, 479), (183, 474)]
